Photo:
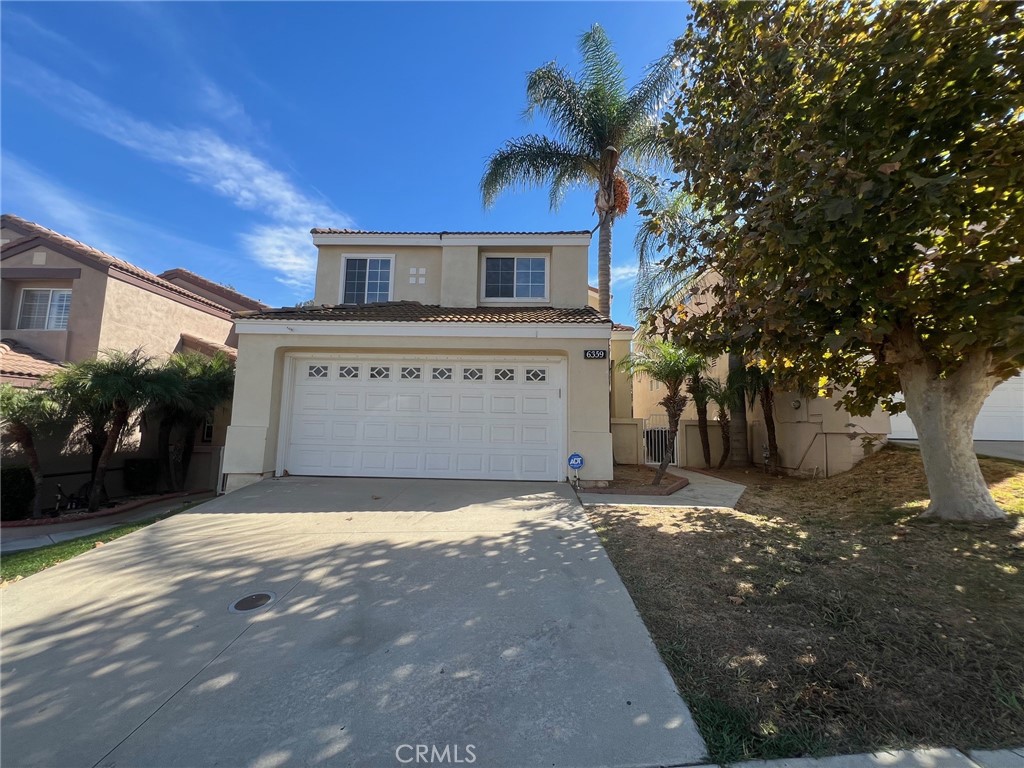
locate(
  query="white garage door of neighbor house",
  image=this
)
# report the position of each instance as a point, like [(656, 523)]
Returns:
[(1000, 418), (425, 416)]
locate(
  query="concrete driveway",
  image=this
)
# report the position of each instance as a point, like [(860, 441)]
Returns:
[(478, 616)]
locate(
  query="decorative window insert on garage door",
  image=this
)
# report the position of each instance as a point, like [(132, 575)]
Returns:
[(424, 416)]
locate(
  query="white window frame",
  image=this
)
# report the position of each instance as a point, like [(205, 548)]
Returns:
[(484, 299), (21, 306), (344, 270)]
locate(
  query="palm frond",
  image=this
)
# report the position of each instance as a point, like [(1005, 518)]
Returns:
[(602, 69), (649, 96), (552, 92), (646, 145), (532, 161)]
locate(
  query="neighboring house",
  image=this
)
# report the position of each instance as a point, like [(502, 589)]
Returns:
[(813, 436), (1001, 417), (65, 301), (468, 355)]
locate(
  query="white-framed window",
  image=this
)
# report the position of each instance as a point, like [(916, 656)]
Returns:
[(44, 309), (509, 277), (367, 279)]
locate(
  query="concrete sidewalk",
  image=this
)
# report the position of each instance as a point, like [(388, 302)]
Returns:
[(703, 491), (35, 536)]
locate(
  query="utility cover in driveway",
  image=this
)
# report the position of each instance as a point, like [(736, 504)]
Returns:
[(457, 613)]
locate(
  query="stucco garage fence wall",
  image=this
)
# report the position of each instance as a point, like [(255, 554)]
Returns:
[(255, 437)]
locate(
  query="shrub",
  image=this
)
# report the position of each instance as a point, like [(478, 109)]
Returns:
[(16, 493), (141, 475)]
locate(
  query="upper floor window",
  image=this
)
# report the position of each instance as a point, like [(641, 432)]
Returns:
[(367, 280), (44, 309), (516, 277)]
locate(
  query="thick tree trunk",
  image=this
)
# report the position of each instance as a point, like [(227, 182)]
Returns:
[(117, 424), (604, 264), (768, 407), (739, 455), (943, 412), (723, 423), (702, 429)]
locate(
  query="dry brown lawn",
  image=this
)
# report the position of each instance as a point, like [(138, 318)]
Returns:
[(822, 616)]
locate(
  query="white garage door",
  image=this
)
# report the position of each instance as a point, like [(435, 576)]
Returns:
[(423, 416), (1000, 418)]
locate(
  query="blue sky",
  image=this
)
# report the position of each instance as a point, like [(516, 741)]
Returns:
[(213, 136)]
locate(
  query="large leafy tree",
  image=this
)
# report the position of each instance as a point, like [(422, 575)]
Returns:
[(25, 414), (605, 136), (120, 384), (672, 366), (867, 160)]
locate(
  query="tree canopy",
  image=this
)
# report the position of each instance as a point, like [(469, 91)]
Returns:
[(864, 161)]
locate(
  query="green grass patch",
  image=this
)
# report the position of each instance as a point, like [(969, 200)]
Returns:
[(31, 561)]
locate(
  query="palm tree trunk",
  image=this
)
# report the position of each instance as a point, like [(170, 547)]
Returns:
[(187, 449), (604, 264), (724, 423), (23, 437), (117, 424), (163, 440), (768, 407), (740, 454), (674, 408), (702, 429)]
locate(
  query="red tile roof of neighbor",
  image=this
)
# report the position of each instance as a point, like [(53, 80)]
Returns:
[(22, 365), (332, 231), (621, 327), (207, 347), (414, 312), (215, 288), (31, 231)]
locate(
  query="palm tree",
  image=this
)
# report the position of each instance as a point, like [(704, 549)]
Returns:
[(24, 413), (699, 388), (760, 387), (200, 384), (725, 396), (121, 384), (671, 366), (606, 136)]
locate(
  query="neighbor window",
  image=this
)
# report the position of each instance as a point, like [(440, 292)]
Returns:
[(515, 277), (367, 280), (44, 309)]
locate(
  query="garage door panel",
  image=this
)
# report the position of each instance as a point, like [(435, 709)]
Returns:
[(427, 418)]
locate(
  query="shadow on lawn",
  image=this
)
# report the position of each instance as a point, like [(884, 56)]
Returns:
[(798, 633)]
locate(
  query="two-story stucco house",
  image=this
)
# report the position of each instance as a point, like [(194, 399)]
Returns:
[(428, 354), (65, 301)]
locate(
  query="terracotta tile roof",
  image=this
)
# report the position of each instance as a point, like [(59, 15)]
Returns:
[(332, 231), (22, 365), (103, 260), (207, 347), (414, 312), (215, 288), (621, 327)]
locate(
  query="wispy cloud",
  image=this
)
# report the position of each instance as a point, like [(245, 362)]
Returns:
[(21, 25), (229, 169), (30, 192), (622, 276)]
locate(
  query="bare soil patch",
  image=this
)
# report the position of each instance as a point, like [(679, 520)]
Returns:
[(823, 617)]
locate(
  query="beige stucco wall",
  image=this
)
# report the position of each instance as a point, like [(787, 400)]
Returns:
[(134, 317), (82, 338), (622, 382), (453, 272), (253, 435), (628, 441)]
